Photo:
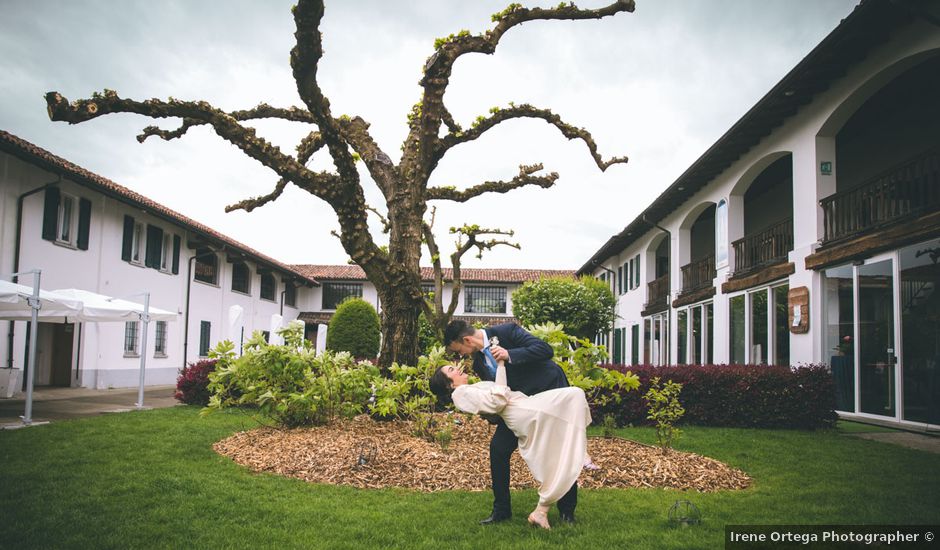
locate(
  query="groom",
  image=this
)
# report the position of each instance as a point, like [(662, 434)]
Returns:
[(530, 370)]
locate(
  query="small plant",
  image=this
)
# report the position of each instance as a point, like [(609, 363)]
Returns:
[(609, 425), (425, 427), (192, 385), (665, 410), (444, 436)]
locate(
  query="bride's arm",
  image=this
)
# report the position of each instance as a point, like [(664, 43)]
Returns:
[(501, 374)]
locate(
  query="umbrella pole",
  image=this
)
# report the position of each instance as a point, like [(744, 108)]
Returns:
[(145, 318), (31, 366)]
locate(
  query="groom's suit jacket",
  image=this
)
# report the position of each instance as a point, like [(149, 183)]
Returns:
[(531, 369)]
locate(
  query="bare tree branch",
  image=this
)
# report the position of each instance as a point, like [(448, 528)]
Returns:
[(526, 177), (320, 184), (304, 59), (440, 64), (497, 116), (263, 110)]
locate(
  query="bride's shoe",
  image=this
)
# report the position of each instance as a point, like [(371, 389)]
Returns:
[(539, 519), (590, 466)]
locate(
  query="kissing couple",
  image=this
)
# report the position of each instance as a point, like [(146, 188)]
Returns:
[(527, 396)]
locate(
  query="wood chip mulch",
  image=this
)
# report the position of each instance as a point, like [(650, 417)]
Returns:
[(330, 454)]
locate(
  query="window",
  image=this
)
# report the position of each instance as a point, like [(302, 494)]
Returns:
[(159, 345), (137, 240), (131, 338), (335, 293), (268, 286), (205, 328), (758, 327), (636, 272), (66, 231), (207, 266), (165, 254), (682, 337), (485, 299), (66, 219), (630, 275), (290, 295), (241, 278)]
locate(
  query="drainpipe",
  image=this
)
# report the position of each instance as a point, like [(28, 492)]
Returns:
[(189, 285), (16, 254)]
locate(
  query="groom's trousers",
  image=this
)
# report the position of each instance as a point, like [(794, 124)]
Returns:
[(502, 445)]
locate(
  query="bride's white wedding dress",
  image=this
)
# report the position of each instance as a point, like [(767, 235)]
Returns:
[(550, 426)]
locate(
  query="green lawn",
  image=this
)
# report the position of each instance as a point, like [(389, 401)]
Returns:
[(151, 480)]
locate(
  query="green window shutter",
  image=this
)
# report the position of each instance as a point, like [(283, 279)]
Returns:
[(84, 223), (128, 238), (50, 213)]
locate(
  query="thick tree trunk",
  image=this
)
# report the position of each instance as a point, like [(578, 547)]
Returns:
[(399, 328)]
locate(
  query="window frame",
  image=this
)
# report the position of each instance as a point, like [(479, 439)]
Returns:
[(137, 244), (247, 278), (332, 286), (273, 296), (201, 254), (67, 208), (132, 336), (468, 303), (205, 338), (160, 339)]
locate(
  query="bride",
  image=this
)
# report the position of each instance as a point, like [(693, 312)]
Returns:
[(550, 427)]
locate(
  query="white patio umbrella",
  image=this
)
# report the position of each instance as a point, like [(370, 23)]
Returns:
[(97, 308), (100, 308), (19, 303)]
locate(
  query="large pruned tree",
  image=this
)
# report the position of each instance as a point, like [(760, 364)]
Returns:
[(394, 270)]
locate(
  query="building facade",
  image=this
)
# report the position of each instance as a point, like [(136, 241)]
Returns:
[(486, 296), (810, 232), (84, 231)]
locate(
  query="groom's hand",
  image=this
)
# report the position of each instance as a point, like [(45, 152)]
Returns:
[(499, 353)]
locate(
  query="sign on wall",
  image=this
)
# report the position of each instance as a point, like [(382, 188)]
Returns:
[(798, 310)]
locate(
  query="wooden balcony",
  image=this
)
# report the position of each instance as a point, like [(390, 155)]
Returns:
[(698, 274), (657, 294), (904, 192), (764, 249)]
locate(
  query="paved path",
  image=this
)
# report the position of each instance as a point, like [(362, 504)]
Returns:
[(51, 404)]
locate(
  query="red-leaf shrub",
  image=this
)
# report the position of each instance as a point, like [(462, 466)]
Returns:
[(752, 396), (192, 384)]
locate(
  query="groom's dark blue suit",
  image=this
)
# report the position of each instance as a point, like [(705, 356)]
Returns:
[(530, 370)]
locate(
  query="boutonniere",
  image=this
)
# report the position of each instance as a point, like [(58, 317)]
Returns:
[(494, 341)]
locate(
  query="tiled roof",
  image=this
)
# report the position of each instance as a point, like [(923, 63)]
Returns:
[(37, 155), (476, 275)]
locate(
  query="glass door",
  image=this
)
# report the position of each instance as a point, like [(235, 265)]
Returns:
[(875, 338)]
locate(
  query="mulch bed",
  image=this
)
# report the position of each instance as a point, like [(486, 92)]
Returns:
[(330, 454)]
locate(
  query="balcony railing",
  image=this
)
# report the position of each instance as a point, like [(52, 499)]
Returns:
[(657, 292), (903, 192), (763, 249), (698, 274)]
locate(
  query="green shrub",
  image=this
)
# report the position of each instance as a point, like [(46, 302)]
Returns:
[(585, 306), (355, 329), (290, 384), (581, 360), (665, 410), (428, 338)]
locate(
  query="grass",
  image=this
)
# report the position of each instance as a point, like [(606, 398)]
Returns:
[(150, 479)]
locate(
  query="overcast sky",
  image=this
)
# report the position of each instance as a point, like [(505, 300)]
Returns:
[(659, 85)]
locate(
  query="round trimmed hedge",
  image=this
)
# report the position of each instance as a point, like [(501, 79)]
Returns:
[(355, 328)]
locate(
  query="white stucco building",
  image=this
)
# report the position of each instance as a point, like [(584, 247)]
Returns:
[(810, 231), (486, 296), (84, 231)]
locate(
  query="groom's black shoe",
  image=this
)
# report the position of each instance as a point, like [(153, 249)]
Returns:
[(495, 518), (567, 517)]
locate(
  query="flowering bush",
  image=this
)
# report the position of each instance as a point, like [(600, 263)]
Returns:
[(753, 396), (192, 385)]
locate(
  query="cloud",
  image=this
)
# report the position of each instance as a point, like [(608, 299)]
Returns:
[(659, 85)]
